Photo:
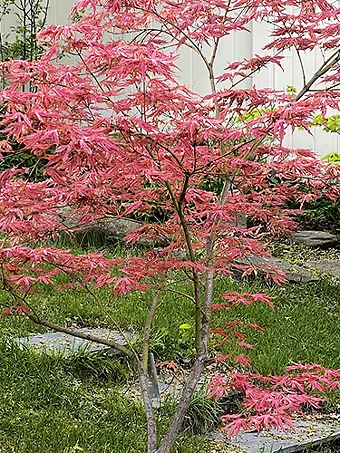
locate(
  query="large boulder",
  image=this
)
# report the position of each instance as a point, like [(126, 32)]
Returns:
[(102, 232), (312, 238), (106, 232)]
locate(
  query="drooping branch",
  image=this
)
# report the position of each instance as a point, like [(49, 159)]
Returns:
[(78, 334)]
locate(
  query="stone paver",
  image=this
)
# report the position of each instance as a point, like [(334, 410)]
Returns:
[(307, 433), (56, 342), (294, 273)]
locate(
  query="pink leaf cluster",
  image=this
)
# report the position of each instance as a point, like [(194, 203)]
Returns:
[(272, 401)]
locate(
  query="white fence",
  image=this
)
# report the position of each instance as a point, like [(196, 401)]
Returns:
[(235, 47)]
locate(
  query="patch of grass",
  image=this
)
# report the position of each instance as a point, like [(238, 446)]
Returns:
[(303, 327), (46, 408), (202, 417), (298, 253), (51, 404)]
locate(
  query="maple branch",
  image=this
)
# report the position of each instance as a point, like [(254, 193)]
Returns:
[(325, 67), (79, 334), (91, 72), (212, 61), (192, 255), (166, 148), (184, 190), (302, 67), (242, 79), (174, 291), (141, 369), (193, 45), (166, 32), (7, 287)]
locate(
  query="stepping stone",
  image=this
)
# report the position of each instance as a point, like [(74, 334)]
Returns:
[(315, 239), (56, 342), (307, 433)]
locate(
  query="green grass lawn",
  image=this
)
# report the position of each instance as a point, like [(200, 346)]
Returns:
[(79, 404)]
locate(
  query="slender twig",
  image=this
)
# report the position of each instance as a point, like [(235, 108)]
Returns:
[(187, 296), (304, 79), (325, 67)]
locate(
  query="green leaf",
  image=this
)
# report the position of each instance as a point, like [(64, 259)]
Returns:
[(185, 326)]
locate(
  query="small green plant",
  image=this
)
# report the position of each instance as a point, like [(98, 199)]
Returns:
[(203, 414), (332, 158), (291, 90), (174, 344), (21, 43), (329, 124)]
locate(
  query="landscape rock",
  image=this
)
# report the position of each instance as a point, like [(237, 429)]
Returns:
[(103, 232), (312, 238), (331, 267), (294, 273), (106, 232)]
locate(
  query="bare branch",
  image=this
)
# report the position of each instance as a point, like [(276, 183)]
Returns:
[(85, 336)]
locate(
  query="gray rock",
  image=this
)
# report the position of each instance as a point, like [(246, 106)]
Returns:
[(331, 267), (104, 231), (57, 342), (294, 273), (307, 433), (315, 239)]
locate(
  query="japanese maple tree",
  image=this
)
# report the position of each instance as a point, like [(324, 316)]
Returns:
[(120, 135)]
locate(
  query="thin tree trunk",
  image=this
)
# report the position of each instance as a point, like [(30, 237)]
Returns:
[(185, 400), (150, 418), (197, 369)]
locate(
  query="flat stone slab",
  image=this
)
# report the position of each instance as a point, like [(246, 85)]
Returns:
[(294, 273), (56, 342), (307, 433), (331, 267), (315, 239)]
